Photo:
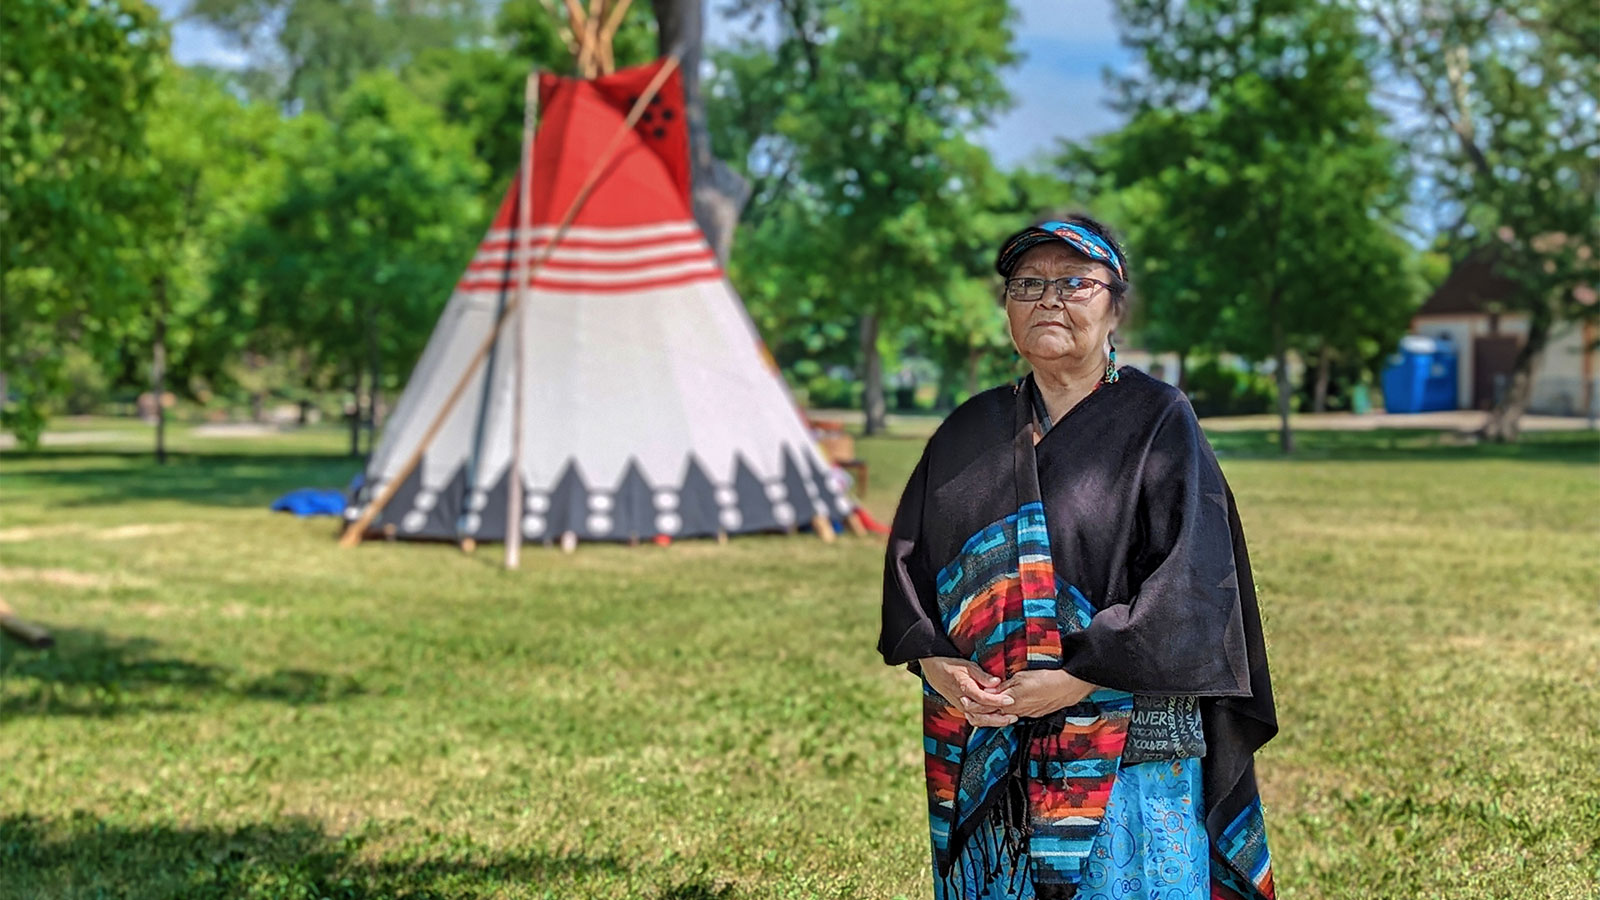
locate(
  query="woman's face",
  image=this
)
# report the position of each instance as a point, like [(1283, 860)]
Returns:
[(1052, 332)]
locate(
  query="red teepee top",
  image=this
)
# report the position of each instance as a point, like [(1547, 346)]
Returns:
[(635, 231)]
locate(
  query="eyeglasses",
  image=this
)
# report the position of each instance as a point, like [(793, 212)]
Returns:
[(1073, 288)]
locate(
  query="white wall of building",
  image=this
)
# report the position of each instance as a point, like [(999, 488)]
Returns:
[(1558, 387)]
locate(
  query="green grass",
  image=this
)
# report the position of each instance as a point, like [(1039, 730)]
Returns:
[(237, 708)]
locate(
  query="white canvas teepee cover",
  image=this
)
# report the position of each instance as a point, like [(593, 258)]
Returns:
[(650, 405)]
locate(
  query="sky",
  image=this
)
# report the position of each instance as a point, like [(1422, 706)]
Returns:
[(1056, 88)]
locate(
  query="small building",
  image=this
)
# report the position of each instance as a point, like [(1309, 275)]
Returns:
[(1468, 310)]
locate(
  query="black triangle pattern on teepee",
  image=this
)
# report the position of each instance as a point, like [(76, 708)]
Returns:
[(830, 494), (697, 503), (755, 510), (403, 500), (633, 506), (491, 519), (794, 485), (415, 512), (569, 504), (635, 509)]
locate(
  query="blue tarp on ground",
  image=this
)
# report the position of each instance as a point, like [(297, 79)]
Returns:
[(311, 502)]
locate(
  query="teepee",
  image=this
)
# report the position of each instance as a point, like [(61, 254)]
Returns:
[(594, 376)]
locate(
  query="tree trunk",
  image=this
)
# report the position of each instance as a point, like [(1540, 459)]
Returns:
[(872, 400), (1280, 354), (158, 370), (1505, 419), (1319, 389), (374, 372), (353, 414), (1183, 366), (719, 193), (974, 362)]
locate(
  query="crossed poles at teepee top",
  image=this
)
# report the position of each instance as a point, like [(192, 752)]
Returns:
[(592, 33), (354, 532)]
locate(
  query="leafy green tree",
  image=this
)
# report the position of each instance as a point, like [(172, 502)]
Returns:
[(306, 53), (354, 262), (1260, 191), (854, 135), (211, 166), (1504, 97), (75, 79)]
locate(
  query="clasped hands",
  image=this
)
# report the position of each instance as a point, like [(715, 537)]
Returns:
[(986, 700)]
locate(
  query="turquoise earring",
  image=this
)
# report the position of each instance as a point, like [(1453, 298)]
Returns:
[(1111, 366)]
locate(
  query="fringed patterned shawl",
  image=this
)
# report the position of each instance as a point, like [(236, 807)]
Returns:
[(1111, 547)]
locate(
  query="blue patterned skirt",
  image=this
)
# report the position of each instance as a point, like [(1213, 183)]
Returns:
[(1152, 844)]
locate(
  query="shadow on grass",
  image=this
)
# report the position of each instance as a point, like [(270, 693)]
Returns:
[(82, 856), (91, 477), (89, 673), (1406, 444)]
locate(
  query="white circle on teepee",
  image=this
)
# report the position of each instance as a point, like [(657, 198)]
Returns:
[(425, 500), (532, 525), (471, 522), (730, 518), (599, 503), (538, 503), (666, 500), (783, 512), (727, 497), (414, 520), (668, 523), (477, 500), (599, 524), (842, 505), (776, 491), (353, 513)]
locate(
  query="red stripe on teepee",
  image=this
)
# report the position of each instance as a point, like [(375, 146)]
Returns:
[(575, 243), (556, 263), (556, 285)]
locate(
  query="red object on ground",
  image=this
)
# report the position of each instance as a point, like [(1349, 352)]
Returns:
[(873, 525)]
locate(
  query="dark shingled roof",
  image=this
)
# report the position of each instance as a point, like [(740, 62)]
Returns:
[(1472, 287)]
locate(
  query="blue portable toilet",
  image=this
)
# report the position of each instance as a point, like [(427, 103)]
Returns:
[(1421, 377)]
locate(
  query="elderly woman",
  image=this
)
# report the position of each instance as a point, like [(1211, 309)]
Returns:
[(1067, 574)]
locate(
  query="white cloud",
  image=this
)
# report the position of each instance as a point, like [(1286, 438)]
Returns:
[(195, 44)]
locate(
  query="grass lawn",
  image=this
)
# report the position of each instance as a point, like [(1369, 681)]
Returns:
[(236, 708)]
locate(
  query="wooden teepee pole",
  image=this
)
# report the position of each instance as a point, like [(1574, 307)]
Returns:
[(355, 530), (588, 44), (530, 115), (608, 35)]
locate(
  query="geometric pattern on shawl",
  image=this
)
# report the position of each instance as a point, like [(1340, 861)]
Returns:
[(1241, 867), (1004, 608)]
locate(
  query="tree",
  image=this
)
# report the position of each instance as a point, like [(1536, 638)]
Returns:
[(1261, 190), (854, 134), (75, 78), (304, 54), (355, 261), (211, 165), (1505, 99)]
